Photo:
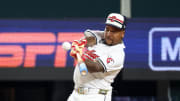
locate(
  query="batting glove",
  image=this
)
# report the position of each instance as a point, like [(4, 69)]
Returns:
[(77, 47)]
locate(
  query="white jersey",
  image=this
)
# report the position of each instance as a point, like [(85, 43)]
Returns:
[(111, 58)]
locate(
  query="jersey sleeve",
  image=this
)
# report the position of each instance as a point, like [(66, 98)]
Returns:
[(112, 61), (95, 33)]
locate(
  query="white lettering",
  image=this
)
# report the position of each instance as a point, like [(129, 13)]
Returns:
[(167, 49)]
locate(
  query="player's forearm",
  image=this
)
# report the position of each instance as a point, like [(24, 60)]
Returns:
[(93, 66)]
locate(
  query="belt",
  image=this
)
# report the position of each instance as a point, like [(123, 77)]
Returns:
[(83, 90)]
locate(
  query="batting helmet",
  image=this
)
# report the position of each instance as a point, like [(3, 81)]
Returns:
[(116, 20)]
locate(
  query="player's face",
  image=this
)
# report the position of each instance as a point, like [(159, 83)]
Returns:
[(113, 35)]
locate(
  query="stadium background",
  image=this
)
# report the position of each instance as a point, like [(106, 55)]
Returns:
[(46, 82)]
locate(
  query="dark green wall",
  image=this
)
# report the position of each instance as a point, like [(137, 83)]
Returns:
[(58, 8), (156, 8), (85, 8)]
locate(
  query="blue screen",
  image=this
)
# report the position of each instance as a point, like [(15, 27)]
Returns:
[(146, 45)]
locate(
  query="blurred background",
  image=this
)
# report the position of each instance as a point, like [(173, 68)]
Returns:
[(34, 67)]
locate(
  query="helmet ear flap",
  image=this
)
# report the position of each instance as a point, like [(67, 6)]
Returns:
[(124, 24), (123, 27)]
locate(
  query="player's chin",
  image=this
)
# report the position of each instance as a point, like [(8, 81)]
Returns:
[(109, 42)]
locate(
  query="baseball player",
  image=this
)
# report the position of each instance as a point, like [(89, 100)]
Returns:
[(104, 58)]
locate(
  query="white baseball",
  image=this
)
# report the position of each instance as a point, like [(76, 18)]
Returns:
[(66, 46)]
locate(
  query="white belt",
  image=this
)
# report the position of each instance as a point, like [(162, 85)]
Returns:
[(83, 90)]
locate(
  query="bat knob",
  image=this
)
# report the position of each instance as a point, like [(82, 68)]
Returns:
[(83, 69)]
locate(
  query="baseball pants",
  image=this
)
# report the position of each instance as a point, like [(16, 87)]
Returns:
[(75, 96)]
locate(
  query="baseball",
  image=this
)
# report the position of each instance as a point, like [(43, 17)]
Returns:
[(66, 46)]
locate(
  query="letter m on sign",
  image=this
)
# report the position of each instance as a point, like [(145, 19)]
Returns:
[(164, 49), (168, 50)]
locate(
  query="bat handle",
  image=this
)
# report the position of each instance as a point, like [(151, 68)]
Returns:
[(82, 66)]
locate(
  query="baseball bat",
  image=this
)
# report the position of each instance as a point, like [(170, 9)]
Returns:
[(82, 66)]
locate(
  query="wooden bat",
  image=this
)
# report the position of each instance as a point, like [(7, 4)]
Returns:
[(82, 66)]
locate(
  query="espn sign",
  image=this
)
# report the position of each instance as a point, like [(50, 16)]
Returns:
[(164, 49), (26, 49)]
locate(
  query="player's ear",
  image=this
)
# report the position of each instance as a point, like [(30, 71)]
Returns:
[(122, 34)]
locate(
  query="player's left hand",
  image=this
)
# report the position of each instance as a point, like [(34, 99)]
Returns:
[(73, 49)]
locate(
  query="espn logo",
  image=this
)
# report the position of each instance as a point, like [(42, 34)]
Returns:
[(164, 49), (27, 49)]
